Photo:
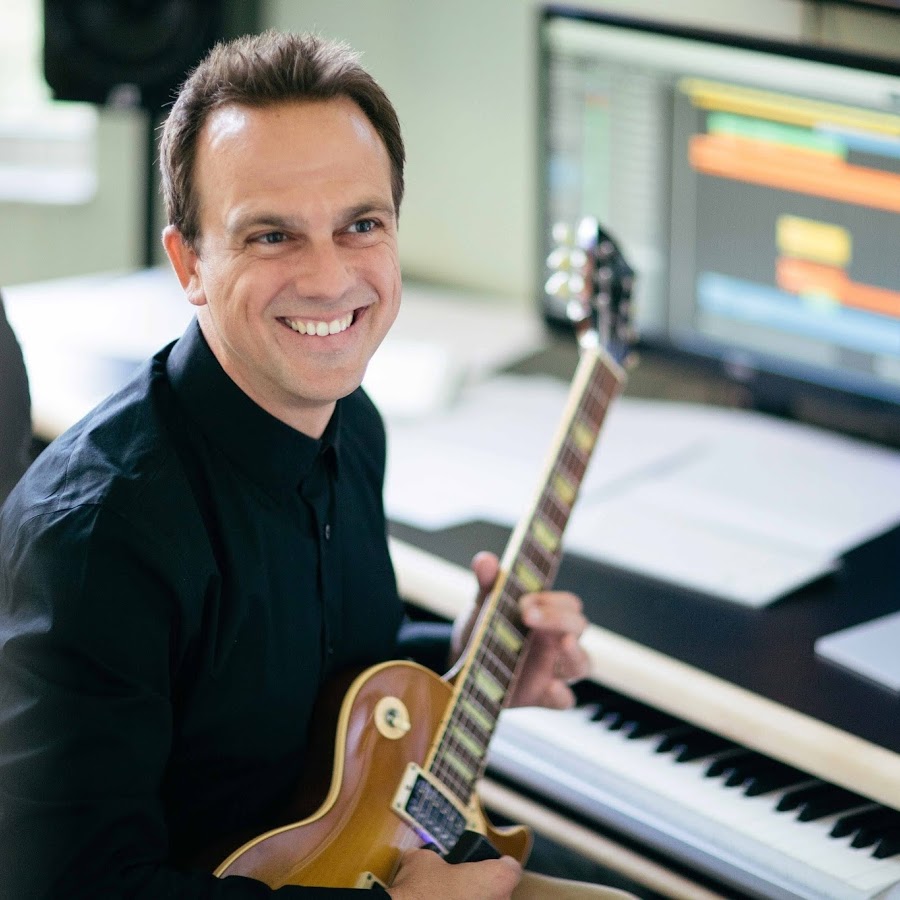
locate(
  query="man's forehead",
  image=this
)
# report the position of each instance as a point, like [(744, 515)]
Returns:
[(225, 123), (232, 119)]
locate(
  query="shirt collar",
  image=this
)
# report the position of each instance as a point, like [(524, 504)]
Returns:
[(267, 450)]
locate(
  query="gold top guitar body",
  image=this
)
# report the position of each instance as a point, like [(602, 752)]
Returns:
[(405, 748)]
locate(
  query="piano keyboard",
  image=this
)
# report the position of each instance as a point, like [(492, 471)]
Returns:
[(764, 828)]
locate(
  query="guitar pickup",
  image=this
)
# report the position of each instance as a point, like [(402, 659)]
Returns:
[(434, 815)]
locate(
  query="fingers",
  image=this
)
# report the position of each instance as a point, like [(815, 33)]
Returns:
[(423, 875), (553, 611), (555, 656), (485, 566)]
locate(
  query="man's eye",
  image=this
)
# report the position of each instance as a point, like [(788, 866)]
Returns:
[(272, 237), (364, 226)]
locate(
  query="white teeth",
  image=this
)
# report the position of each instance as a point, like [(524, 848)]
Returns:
[(321, 329)]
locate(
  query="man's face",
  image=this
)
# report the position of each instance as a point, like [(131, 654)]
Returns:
[(295, 274)]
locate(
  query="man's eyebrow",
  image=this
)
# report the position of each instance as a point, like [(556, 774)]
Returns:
[(252, 219), (372, 207), (244, 221)]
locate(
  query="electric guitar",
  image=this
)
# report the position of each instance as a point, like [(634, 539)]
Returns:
[(406, 748)]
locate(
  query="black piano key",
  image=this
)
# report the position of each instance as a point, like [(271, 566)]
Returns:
[(652, 722), (795, 797), (818, 800), (888, 844), (740, 769), (774, 776), (696, 745), (758, 774), (727, 762), (674, 737), (874, 826), (871, 816)]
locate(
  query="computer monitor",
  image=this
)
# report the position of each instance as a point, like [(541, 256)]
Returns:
[(754, 186)]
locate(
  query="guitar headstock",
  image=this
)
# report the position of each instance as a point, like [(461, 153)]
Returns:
[(590, 273)]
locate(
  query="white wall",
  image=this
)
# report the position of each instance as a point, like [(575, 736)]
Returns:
[(461, 73), (39, 241)]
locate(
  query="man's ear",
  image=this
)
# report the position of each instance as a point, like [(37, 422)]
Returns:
[(185, 262)]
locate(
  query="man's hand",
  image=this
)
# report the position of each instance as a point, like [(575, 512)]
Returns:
[(423, 875), (554, 656)]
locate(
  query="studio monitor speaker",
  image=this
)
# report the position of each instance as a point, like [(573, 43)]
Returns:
[(133, 51)]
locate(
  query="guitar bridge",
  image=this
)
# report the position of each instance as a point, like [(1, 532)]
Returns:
[(423, 803)]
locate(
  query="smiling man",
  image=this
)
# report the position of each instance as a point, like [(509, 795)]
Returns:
[(294, 271), (183, 570)]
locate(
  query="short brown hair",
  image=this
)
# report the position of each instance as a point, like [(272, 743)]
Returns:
[(261, 70)]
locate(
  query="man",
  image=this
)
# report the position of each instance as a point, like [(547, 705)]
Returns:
[(182, 571), (15, 409)]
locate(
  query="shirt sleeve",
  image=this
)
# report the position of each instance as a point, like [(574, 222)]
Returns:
[(87, 618)]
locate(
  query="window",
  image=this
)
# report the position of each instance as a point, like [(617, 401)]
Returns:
[(47, 149)]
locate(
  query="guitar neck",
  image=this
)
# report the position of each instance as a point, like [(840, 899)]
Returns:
[(492, 659)]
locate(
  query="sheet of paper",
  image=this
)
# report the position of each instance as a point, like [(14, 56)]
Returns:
[(484, 457), (795, 484), (694, 552), (732, 503), (868, 649)]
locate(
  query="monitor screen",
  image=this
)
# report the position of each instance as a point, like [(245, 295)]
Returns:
[(753, 186)]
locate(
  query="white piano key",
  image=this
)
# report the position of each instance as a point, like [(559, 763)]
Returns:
[(585, 759)]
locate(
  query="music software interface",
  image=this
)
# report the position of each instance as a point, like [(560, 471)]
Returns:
[(756, 194)]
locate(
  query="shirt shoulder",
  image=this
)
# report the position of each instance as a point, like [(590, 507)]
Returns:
[(122, 459)]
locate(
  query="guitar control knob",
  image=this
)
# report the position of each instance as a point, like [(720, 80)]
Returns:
[(392, 718)]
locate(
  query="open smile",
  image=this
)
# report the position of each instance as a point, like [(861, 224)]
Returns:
[(319, 327)]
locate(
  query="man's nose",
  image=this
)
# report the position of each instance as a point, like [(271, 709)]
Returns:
[(325, 272)]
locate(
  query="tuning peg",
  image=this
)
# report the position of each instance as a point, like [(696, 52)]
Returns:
[(566, 259), (562, 233), (557, 285), (588, 231), (577, 311), (563, 285)]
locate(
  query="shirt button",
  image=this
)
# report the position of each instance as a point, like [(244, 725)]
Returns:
[(327, 532)]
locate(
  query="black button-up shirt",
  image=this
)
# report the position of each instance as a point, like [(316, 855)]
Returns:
[(179, 574)]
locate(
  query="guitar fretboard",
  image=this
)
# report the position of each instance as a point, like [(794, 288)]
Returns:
[(495, 652)]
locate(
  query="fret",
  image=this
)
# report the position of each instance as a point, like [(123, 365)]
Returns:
[(538, 556), (476, 714), (476, 750), (465, 771), (496, 665), (553, 510)]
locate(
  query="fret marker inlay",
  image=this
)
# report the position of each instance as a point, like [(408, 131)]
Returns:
[(509, 638), (564, 489), (545, 535), (489, 686), (583, 437)]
